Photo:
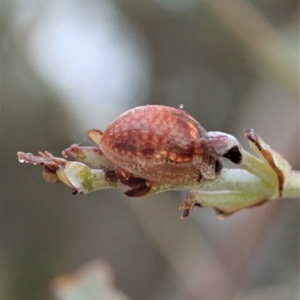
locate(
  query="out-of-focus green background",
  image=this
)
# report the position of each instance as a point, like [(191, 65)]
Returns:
[(71, 65)]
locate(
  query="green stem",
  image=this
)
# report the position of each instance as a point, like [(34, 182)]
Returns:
[(292, 185), (257, 167), (229, 179)]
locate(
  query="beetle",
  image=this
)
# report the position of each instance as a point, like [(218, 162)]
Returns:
[(155, 144)]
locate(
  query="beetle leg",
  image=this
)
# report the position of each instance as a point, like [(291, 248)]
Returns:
[(140, 191), (187, 206), (139, 186), (110, 175)]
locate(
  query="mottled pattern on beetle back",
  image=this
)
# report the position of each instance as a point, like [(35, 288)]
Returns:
[(158, 143)]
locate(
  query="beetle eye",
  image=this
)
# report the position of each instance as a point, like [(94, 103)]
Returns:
[(218, 166)]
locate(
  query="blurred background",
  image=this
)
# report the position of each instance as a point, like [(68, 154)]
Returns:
[(71, 65)]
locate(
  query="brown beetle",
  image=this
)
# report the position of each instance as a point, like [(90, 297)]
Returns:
[(156, 144)]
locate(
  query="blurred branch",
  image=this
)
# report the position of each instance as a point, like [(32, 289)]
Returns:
[(94, 280), (261, 38)]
